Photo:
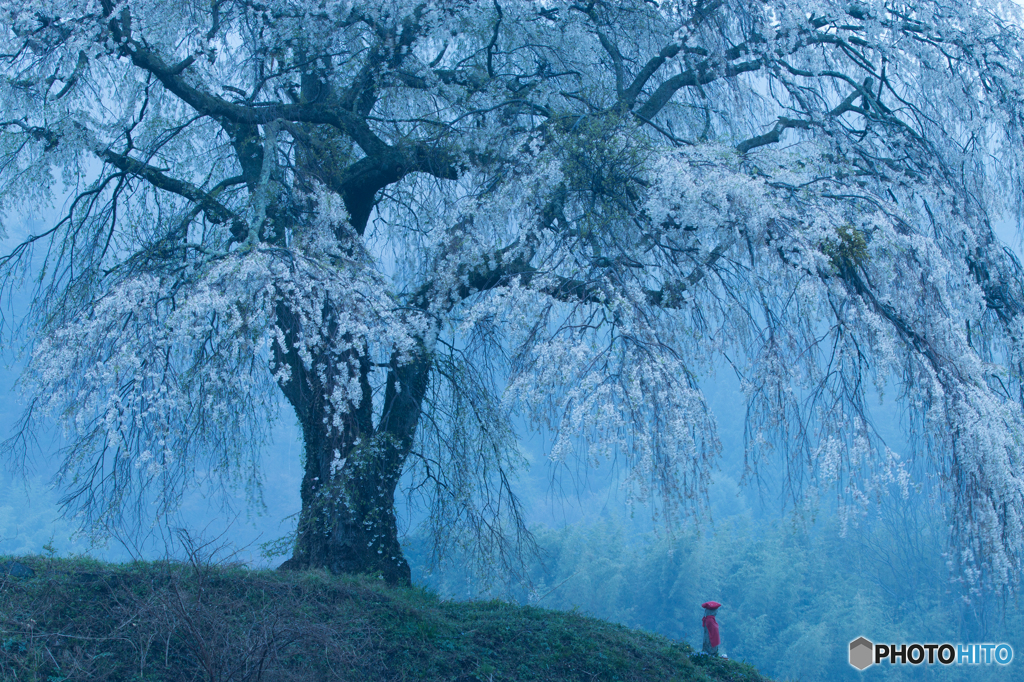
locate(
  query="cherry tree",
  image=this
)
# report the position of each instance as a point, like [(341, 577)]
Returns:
[(421, 221)]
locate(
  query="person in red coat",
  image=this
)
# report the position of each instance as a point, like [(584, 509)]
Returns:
[(712, 637)]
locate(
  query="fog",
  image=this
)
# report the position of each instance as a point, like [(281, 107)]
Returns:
[(797, 584), (795, 588)]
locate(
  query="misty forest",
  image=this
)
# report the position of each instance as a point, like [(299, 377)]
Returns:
[(609, 306)]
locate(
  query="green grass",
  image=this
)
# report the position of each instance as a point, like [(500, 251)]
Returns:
[(81, 619)]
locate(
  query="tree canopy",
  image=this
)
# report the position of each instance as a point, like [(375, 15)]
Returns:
[(423, 220)]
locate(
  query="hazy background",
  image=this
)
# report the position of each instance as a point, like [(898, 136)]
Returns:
[(796, 588)]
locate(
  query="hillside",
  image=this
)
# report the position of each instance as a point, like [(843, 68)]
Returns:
[(82, 619)]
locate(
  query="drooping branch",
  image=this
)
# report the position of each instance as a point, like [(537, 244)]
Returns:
[(215, 211), (512, 264), (772, 136), (704, 73)]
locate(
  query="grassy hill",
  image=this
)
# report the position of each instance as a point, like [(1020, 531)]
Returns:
[(81, 619)]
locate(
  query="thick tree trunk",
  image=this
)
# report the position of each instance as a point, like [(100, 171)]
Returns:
[(347, 523)]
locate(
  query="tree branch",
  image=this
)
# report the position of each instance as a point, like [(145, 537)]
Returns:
[(772, 136), (215, 211), (706, 72), (205, 103)]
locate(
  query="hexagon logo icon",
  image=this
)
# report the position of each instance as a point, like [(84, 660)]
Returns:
[(862, 653)]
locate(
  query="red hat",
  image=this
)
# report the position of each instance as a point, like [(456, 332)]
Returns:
[(710, 605)]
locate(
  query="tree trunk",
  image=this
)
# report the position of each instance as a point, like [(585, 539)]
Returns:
[(347, 523)]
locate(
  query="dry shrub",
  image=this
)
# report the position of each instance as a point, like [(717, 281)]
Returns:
[(197, 619)]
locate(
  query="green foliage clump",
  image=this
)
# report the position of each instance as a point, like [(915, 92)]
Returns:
[(848, 249), (604, 166)]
